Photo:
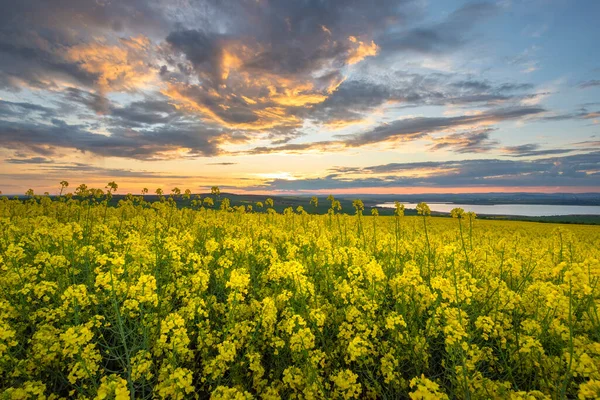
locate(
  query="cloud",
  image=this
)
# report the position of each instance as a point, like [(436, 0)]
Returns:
[(118, 67), (145, 144), (145, 113), (23, 110), (31, 160), (361, 50), (80, 169), (152, 80), (238, 114), (96, 102), (477, 141), (526, 60), (268, 64), (32, 61), (574, 170), (583, 113), (354, 100), (533, 150), (589, 84), (89, 15), (473, 133), (293, 148), (442, 37), (418, 127), (259, 85), (205, 51), (274, 67), (44, 44)]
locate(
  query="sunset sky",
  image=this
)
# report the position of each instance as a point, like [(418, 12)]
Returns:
[(347, 96)]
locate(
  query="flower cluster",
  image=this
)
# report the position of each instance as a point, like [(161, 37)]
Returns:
[(154, 301)]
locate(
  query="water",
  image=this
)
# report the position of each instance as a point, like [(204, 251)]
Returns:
[(525, 210)]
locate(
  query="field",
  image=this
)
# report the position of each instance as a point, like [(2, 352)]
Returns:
[(148, 300)]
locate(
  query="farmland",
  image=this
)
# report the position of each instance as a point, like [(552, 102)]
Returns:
[(147, 299)]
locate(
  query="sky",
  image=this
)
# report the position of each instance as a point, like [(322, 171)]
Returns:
[(303, 96)]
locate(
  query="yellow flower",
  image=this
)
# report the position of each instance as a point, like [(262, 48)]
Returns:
[(303, 340), (423, 209), (141, 366), (457, 213), (589, 390), (173, 337), (346, 385), (226, 393), (7, 338), (398, 209), (113, 387), (175, 384), (357, 348), (239, 281), (83, 355), (425, 389)]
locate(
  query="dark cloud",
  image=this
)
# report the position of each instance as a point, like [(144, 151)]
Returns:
[(477, 141), (53, 15), (94, 101), (30, 60), (356, 98), (589, 84), (472, 85), (351, 101), (145, 113), (304, 42), (582, 113), (533, 150), (442, 37), (414, 128), (23, 110), (202, 50), (574, 170), (222, 163), (292, 148), (38, 37), (31, 160), (144, 144), (267, 61)]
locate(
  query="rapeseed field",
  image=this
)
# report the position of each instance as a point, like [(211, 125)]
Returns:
[(148, 300)]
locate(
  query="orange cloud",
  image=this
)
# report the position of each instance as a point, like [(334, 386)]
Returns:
[(117, 67), (268, 118), (261, 93), (184, 101), (361, 51), (340, 123), (278, 116), (293, 98), (248, 100), (229, 61), (335, 84)]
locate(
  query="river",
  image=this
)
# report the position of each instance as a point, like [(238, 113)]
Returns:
[(525, 210)]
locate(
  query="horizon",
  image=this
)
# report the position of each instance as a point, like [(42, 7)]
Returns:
[(206, 191), (299, 98)]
